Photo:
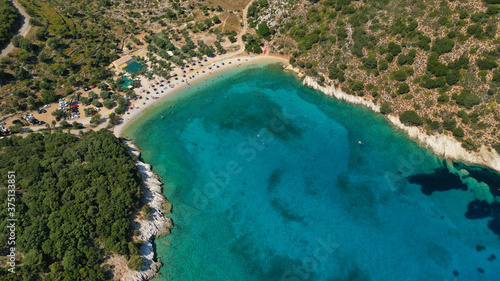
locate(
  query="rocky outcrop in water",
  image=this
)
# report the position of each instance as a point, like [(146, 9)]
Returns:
[(155, 225), (441, 145)]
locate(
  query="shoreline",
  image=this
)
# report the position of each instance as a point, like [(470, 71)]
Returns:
[(157, 224), (441, 145), (141, 105), (152, 227)]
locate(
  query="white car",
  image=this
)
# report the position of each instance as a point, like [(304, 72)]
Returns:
[(46, 106)]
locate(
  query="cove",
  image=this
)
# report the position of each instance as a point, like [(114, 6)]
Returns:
[(270, 180)]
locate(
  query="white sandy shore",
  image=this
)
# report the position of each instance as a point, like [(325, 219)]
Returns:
[(141, 105)]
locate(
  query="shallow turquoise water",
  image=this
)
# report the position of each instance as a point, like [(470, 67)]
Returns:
[(271, 180)]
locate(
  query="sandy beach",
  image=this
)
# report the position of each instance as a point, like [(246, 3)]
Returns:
[(196, 73)]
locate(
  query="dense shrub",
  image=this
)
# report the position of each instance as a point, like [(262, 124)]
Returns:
[(449, 124), (458, 132), (486, 64), (385, 108), (423, 42), (410, 117), (403, 88), (443, 45), (393, 48), (383, 65), (475, 30), (76, 195), (435, 66), (433, 83), (398, 75), (8, 19), (467, 99), (443, 98)]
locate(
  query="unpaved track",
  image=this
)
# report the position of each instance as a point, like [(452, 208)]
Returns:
[(22, 31)]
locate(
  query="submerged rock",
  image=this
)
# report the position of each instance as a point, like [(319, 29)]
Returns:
[(492, 257)]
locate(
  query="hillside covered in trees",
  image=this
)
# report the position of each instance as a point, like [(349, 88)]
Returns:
[(74, 199), (8, 20), (436, 59)]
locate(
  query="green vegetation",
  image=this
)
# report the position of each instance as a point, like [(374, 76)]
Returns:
[(410, 117), (9, 17), (425, 65), (75, 197)]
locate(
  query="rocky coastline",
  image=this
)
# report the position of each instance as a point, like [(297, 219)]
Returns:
[(442, 145), (152, 227)]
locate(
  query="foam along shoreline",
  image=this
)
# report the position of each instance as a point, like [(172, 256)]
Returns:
[(197, 74), (154, 225), (442, 145)]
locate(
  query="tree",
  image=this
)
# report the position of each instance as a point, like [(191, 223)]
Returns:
[(398, 75), (383, 65), (108, 103), (216, 19), (53, 43), (58, 113), (96, 119), (403, 88), (385, 108), (458, 132), (370, 62), (393, 48), (443, 45), (410, 117), (263, 29), (443, 98), (48, 97), (449, 124), (41, 34), (486, 64), (92, 95), (114, 119), (104, 95), (467, 99), (135, 263), (475, 30), (208, 22)]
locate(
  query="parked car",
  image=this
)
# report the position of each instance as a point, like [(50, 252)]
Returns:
[(58, 119), (93, 86), (17, 121), (46, 106), (86, 89)]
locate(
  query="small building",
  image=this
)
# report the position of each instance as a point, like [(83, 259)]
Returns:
[(122, 62)]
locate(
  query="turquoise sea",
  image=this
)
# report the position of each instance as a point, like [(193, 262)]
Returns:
[(270, 180)]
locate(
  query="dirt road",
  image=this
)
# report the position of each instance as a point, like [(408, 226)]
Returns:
[(25, 18)]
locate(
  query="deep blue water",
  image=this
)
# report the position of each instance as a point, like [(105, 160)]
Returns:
[(271, 180)]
